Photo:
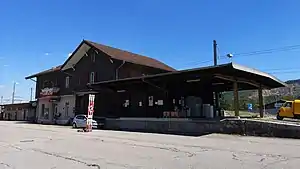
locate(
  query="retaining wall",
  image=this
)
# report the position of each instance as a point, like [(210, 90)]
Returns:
[(200, 127)]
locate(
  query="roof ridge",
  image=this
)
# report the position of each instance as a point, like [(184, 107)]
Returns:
[(118, 49), (160, 66)]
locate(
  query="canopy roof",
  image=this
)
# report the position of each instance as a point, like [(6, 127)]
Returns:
[(222, 73)]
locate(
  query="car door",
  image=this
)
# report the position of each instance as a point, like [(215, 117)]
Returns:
[(80, 121), (288, 109)]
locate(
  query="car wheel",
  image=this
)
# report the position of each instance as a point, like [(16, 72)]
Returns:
[(279, 117), (74, 125)]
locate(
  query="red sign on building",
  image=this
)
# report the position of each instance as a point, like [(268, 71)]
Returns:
[(90, 112), (49, 91)]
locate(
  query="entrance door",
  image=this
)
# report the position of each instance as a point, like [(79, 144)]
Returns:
[(54, 112)]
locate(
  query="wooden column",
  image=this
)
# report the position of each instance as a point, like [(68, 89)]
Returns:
[(236, 99), (260, 102)]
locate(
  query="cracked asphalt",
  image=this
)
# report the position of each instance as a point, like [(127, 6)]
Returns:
[(31, 146)]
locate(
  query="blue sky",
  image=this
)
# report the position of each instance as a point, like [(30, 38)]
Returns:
[(37, 35)]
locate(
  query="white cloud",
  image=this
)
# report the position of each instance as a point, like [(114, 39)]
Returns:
[(5, 65), (69, 54), (47, 54), (2, 86)]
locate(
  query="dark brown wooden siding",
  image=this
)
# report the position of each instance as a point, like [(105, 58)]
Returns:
[(53, 79), (102, 67), (105, 69), (133, 70)]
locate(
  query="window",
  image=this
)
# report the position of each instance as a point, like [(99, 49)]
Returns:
[(93, 57), (287, 104), (67, 109), (92, 77), (48, 83), (56, 83), (46, 113), (43, 109), (67, 82), (55, 114), (80, 117)]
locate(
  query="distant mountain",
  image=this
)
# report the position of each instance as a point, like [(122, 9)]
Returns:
[(297, 81)]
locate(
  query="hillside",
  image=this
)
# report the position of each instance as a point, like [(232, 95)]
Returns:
[(245, 97)]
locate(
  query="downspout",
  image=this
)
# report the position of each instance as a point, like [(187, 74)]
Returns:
[(117, 70)]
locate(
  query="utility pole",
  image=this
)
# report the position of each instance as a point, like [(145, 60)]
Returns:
[(13, 93), (1, 100), (216, 112), (31, 94), (215, 53)]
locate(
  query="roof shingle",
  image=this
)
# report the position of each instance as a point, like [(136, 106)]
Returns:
[(130, 57)]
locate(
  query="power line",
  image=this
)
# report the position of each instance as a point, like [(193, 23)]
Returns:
[(276, 69), (258, 52), (284, 72), (267, 51)]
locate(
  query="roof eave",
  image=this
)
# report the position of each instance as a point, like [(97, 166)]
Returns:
[(73, 53), (30, 77), (258, 72)]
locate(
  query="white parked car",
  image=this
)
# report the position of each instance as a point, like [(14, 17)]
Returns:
[(79, 121)]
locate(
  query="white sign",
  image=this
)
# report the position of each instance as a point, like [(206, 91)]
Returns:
[(160, 102), (49, 91), (150, 99), (90, 112), (91, 106)]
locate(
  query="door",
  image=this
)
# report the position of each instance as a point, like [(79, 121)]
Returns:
[(80, 121), (287, 110), (54, 112)]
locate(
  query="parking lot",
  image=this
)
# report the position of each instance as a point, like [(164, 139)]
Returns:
[(31, 146)]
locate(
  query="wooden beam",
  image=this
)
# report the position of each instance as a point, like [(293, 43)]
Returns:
[(239, 80), (236, 99), (261, 102)]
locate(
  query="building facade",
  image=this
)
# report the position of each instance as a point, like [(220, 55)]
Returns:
[(62, 92), (19, 111), (55, 102)]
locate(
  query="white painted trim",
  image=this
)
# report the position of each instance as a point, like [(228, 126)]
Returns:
[(47, 98), (154, 119), (75, 57), (83, 93), (258, 72), (68, 96)]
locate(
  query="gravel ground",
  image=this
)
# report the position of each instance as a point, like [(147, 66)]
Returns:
[(30, 146)]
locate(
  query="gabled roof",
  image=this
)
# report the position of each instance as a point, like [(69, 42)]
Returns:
[(115, 54), (53, 69)]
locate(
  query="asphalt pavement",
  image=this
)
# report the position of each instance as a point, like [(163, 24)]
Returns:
[(31, 146)]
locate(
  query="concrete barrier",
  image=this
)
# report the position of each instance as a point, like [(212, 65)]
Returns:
[(263, 128), (200, 127)]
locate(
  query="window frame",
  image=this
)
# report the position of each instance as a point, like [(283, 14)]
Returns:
[(93, 57), (92, 77), (67, 82), (80, 117)]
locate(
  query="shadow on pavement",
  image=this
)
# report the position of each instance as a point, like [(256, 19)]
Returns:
[(24, 122)]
